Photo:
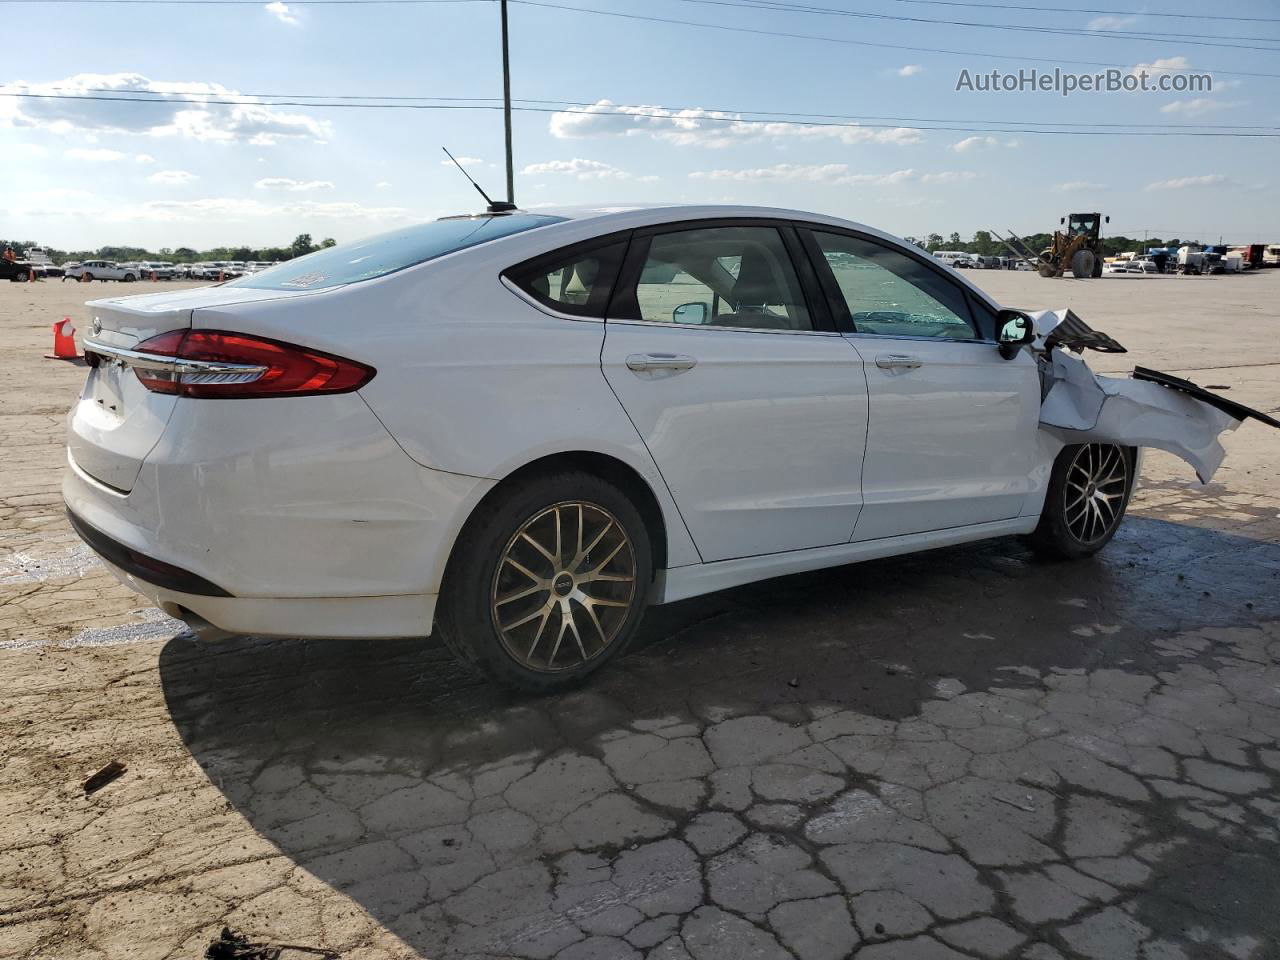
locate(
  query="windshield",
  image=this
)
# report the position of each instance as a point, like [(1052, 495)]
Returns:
[(388, 252)]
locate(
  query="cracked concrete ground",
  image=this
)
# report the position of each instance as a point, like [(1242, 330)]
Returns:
[(965, 753)]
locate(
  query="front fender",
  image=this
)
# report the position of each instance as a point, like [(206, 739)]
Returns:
[(1081, 407)]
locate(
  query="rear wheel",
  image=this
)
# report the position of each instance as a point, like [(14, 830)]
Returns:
[(1089, 490), (88, 277), (129, 278), (549, 584)]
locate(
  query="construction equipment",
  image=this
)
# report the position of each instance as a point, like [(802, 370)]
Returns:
[(1078, 248)]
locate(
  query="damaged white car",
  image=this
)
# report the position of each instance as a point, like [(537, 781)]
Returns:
[(517, 430)]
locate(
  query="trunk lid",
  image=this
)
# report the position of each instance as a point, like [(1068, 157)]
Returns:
[(117, 421)]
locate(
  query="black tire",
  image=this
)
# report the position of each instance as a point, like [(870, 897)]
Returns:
[(87, 276), (1097, 267), (465, 617), (129, 278), (1059, 534), (1082, 264)]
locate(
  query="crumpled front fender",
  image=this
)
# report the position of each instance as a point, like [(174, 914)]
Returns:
[(1080, 406)]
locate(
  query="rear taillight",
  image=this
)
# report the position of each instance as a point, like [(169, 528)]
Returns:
[(217, 363)]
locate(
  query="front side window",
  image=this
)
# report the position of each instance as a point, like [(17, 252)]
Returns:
[(575, 281), (892, 294), (388, 252), (720, 277)]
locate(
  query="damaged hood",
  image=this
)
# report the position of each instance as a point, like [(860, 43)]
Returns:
[(1151, 410)]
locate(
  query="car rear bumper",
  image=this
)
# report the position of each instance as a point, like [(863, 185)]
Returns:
[(281, 517)]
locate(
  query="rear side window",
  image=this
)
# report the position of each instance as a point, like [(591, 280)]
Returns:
[(388, 252), (576, 280)]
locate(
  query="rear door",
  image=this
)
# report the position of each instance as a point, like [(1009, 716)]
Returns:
[(951, 439), (753, 407)]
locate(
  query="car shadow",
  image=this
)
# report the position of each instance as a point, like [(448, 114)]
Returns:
[(360, 758)]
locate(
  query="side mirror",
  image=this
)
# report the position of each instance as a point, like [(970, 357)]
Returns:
[(1108, 219), (696, 312), (1015, 329)]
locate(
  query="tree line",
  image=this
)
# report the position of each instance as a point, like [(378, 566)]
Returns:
[(302, 245)]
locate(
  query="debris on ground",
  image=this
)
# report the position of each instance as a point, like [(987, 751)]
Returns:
[(231, 945), (111, 771)]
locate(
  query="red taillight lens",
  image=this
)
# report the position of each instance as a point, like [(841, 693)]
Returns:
[(217, 363)]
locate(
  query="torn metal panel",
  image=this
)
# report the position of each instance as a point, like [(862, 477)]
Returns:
[(1230, 407), (1082, 407)]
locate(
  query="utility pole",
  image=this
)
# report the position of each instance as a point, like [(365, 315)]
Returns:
[(506, 106)]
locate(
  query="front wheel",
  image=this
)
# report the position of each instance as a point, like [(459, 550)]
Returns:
[(549, 583), (1089, 490), (129, 278)]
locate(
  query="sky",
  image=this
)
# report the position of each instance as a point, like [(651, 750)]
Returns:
[(82, 173)]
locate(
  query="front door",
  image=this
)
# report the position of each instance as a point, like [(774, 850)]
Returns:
[(952, 433), (754, 414)]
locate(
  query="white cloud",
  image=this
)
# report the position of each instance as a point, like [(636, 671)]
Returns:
[(949, 176), (381, 185), (172, 177), (910, 70), (1165, 65), (282, 12), (464, 161), (1072, 186), (1196, 107), (974, 143), (805, 173), (577, 167), (1183, 183), (241, 119), (1109, 23), (706, 128), (144, 158), (295, 186), (94, 154), (30, 149)]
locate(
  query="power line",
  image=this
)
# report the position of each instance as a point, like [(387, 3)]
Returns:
[(656, 116), (619, 109), (1198, 39), (1109, 12), (842, 40)]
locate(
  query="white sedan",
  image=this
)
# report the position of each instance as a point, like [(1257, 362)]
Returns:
[(518, 430)]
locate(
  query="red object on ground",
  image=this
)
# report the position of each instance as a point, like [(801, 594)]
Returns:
[(64, 341)]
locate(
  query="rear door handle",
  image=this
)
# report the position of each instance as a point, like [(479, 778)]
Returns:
[(888, 361), (666, 362)]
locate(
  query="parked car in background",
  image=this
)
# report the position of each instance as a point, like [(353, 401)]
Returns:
[(161, 270), (102, 270), (519, 430)]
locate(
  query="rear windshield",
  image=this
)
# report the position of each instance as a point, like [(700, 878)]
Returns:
[(388, 252)]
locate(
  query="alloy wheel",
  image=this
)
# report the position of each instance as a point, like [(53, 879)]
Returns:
[(1097, 483), (563, 587)]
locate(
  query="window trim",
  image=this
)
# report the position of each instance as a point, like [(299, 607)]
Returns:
[(638, 252), (840, 308), (601, 294)]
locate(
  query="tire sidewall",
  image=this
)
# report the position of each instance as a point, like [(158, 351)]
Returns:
[(466, 617)]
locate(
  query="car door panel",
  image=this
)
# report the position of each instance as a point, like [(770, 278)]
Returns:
[(760, 439), (951, 436)]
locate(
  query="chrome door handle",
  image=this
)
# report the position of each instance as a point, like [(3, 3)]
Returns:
[(674, 362), (888, 361)]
